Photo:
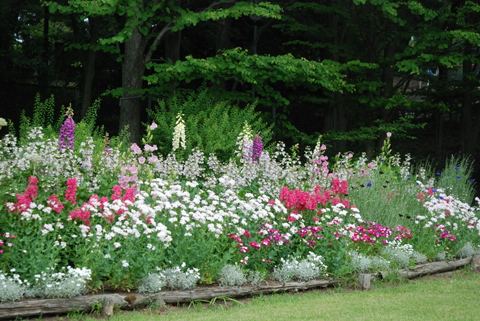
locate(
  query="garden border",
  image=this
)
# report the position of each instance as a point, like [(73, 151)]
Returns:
[(127, 301)]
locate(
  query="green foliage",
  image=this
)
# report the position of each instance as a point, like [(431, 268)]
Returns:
[(262, 71), (212, 127), (457, 175)]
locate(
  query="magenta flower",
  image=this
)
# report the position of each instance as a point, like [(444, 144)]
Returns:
[(257, 148), (67, 132), (70, 194)]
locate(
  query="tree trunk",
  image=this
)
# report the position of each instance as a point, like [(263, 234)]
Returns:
[(89, 67), (468, 127), (132, 73), (172, 45)]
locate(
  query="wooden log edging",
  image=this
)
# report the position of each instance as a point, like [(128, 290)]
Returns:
[(431, 268), (126, 301)]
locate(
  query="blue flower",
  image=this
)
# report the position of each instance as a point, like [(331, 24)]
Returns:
[(434, 190), (438, 174), (472, 180), (441, 197), (458, 176), (369, 184), (382, 159), (456, 168), (418, 183), (408, 178)]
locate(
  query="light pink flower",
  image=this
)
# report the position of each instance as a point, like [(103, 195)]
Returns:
[(323, 147), (134, 147), (350, 155), (153, 126), (370, 165), (9, 244), (153, 159), (133, 169), (141, 160), (389, 134)]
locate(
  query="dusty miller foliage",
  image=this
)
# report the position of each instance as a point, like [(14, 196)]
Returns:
[(467, 250), (362, 263), (292, 269), (256, 277), (176, 279), (11, 288), (231, 275), (152, 283)]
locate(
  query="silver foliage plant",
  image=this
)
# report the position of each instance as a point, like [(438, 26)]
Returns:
[(362, 263), (12, 288), (67, 283), (231, 275), (176, 279), (152, 283), (304, 270), (402, 253), (64, 284), (467, 250), (256, 277)]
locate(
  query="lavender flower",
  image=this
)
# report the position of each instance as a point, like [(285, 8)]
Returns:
[(257, 148), (67, 132)]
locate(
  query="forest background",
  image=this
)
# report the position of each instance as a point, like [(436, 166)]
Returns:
[(348, 70)]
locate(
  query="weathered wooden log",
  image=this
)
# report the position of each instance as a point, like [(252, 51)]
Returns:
[(429, 268), (129, 301), (476, 263), (107, 307), (364, 280)]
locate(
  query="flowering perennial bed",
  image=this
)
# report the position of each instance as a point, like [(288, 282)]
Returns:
[(80, 215)]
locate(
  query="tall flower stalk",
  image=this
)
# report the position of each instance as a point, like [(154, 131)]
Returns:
[(257, 149), (179, 133), (67, 132)]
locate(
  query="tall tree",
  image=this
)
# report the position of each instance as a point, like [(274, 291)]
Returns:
[(143, 24)]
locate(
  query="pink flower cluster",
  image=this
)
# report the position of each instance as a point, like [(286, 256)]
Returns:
[(84, 212), (23, 201), (54, 203), (311, 233), (71, 193), (6, 235), (298, 200), (129, 174), (370, 232), (444, 234), (402, 233)]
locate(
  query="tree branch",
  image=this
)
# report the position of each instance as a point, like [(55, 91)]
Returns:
[(168, 27)]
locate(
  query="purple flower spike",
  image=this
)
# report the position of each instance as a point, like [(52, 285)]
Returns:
[(257, 148), (67, 132)]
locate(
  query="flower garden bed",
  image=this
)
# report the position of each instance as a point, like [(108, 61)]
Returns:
[(84, 213)]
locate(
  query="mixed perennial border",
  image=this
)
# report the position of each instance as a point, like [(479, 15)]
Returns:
[(80, 215)]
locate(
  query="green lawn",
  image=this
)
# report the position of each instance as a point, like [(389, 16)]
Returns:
[(449, 298)]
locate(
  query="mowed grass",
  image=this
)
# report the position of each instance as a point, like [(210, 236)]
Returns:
[(453, 298)]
